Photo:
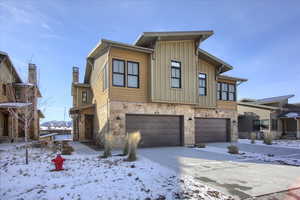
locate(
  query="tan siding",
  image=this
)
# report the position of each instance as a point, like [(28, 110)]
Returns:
[(183, 51), (227, 105), (130, 94), (262, 113), (78, 96), (210, 70), (5, 77)]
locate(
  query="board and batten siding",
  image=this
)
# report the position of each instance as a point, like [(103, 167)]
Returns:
[(184, 52), (208, 101)]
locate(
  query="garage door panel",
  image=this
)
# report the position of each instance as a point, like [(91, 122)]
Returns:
[(211, 130), (155, 130)]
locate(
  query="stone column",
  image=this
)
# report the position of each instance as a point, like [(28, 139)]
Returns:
[(279, 127), (298, 128)]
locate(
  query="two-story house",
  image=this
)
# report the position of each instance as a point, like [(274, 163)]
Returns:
[(163, 85), (18, 101)]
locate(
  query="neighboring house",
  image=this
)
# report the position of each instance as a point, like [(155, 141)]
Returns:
[(273, 115), (15, 97), (163, 85)]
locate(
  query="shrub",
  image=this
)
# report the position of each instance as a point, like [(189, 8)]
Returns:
[(107, 145), (200, 145), (268, 139), (133, 141), (253, 137), (126, 147), (232, 149)]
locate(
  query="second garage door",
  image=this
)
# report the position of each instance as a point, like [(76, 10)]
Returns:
[(211, 130), (156, 130)]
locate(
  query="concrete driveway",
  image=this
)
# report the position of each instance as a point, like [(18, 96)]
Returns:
[(240, 179)]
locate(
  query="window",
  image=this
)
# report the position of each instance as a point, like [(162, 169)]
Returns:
[(274, 124), (226, 92), (105, 77), (231, 92), (175, 74), (264, 124), (118, 78), (84, 96), (132, 74), (4, 89), (18, 93), (256, 125), (202, 84)]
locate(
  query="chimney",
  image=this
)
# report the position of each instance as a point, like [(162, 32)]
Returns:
[(75, 74), (32, 73)]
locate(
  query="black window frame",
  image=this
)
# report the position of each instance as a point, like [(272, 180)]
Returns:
[(136, 75), (4, 89), (173, 77), (119, 73), (82, 96), (199, 86), (220, 91), (18, 93)]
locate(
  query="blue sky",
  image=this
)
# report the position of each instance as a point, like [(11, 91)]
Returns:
[(261, 39)]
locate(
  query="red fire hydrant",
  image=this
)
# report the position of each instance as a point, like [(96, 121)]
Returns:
[(58, 162)]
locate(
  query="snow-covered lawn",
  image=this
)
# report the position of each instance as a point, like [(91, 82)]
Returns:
[(251, 156), (90, 177), (276, 143)]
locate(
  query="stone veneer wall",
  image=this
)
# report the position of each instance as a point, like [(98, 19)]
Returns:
[(118, 110)]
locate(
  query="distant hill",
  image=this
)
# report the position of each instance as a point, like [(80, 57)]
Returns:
[(57, 124)]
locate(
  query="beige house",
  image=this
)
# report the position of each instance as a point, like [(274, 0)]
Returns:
[(163, 85), (15, 97), (274, 115)]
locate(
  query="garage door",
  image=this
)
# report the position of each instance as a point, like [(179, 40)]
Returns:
[(156, 130), (211, 130)]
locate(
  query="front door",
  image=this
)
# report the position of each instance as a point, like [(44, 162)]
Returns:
[(89, 121), (5, 125)]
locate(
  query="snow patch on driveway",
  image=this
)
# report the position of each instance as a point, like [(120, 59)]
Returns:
[(295, 144), (89, 177)]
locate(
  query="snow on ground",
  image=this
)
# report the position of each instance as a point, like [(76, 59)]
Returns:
[(86, 176), (250, 156), (276, 143)]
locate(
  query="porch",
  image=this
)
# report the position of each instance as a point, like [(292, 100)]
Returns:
[(290, 124)]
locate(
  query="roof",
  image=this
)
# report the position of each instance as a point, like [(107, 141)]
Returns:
[(14, 105), (258, 106), (290, 114), (147, 38), (75, 110), (28, 85), (223, 66), (104, 43), (273, 99), (232, 78), (4, 55)]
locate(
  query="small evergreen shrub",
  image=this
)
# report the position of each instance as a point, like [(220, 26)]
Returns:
[(200, 145), (268, 139), (232, 149)]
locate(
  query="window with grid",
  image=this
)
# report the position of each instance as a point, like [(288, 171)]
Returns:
[(132, 74), (175, 74), (219, 92), (4, 89), (84, 96), (231, 92), (118, 73), (18, 93), (224, 93), (202, 84)]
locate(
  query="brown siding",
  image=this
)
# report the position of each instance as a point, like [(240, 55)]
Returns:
[(227, 105), (209, 100), (78, 96), (130, 94), (183, 51)]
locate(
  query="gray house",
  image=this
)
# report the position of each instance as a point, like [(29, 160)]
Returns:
[(275, 115)]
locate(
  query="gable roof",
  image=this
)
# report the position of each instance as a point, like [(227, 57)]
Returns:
[(258, 106), (232, 78), (273, 99), (3, 56), (146, 38)]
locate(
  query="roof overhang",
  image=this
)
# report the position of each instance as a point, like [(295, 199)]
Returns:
[(258, 106), (224, 77), (84, 85), (14, 105), (77, 110), (148, 38), (11, 65), (290, 115), (40, 114), (222, 65)]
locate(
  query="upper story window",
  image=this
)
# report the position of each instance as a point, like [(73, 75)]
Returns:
[(18, 93), (132, 74), (105, 77), (226, 92), (84, 96), (4, 89), (175, 74), (118, 73), (202, 84)]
